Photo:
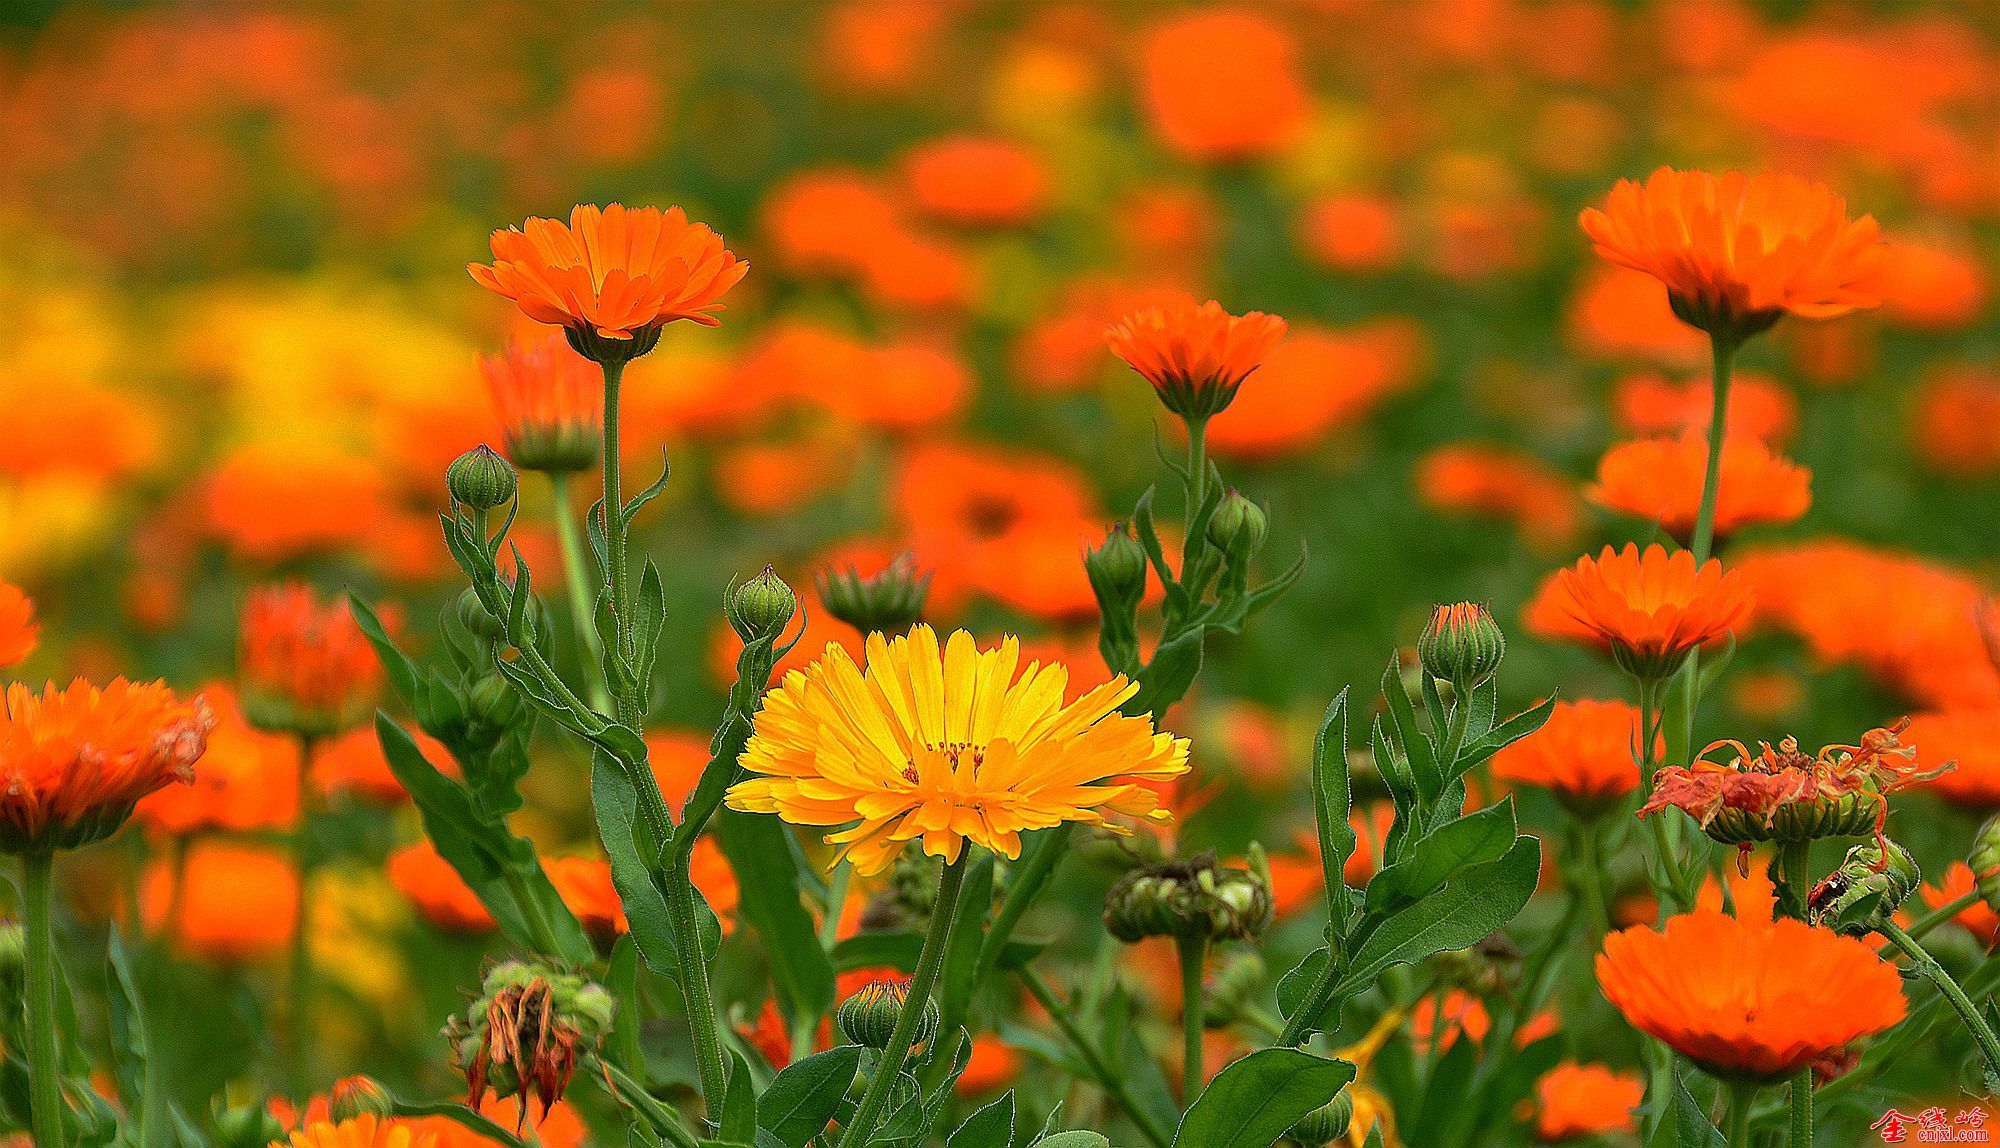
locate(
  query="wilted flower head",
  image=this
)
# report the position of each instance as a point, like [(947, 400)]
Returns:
[(1193, 898), (75, 760), (612, 275), (1785, 794), (306, 667), (550, 402), (522, 1036), (1738, 251), (1196, 356)]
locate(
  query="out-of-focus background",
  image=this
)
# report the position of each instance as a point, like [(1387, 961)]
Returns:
[(237, 339)]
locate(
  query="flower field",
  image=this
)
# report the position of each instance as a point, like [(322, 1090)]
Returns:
[(994, 573)]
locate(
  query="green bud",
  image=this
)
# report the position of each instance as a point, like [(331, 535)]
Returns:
[(475, 617), (762, 607), (358, 1096), (1462, 644), (1117, 568), (1867, 887), (889, 601), (1233, 984), (494, 704), (1237, 527), (1193, 898), (1325, 1124), (868, 1018), (247, 1126), (481, 480), (1984, 860)]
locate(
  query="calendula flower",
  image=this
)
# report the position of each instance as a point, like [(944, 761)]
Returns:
[(1196, 356), (1585, 1100), (947, 745), (74, 760), (1736, 252), (1650, 609), (1661, 479), (18, 629), (249, 780), (1587, 753), (550, 402), (1785, 794), (306, 667), (1978, 918), (440, 895), (368, 1131), (1746, 996), (230, 902), (615, 273)]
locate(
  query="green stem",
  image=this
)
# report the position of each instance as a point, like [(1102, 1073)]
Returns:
[(1197, 473), (298, 982), (1802, 1109), (1940, 915), (1111, 1082), (696, 993), (616, 575), (890, 1067), (1724, 359), (1793, 877), (633, 1093), (45, 1098), (577, 580), (1742, 1098), (1193, 954), (1590, 871), (1927, 967)]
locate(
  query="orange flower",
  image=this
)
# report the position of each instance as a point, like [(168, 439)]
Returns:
[(18, 629), (1648, 405), (1746, 995), (75, 760), (617, 273), (1736, 252), (1956, 425), (971, 180), (278, 501), (586, 887), (366, 1131), (1661, 479), (306, 667), (1196, 356), (1585, 1100), (1297, 878), (1970, 737), (352, 764), (1223, 84), (1353, 233), (1436, 1023), (993, 1065), (970, 512), (1587, 753), (249, 780), (1933, 286), (1978, 918), (1618, 314), (440, 895), (230, 902), (1650, 610), (1315, 382), (550, 403), (557, 1126), (1470, 478)]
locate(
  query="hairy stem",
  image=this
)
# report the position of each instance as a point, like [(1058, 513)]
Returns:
[(1927, 967), (45, 1098), (1113, 1083), (696, 993), (1802, 1109), (577, 580), (1193, 951)]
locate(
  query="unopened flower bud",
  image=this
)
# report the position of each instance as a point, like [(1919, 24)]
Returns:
[(890, 600), (247, 1126), (868, 1018), (762, 607), (475, 617), (356, 1096), (494, 704), (1984, 860), (1232, 985), (481, 480), (1237, 527), (1869, 886), (1325, 1124), (1462, 644), (1117, 567), (1193, 898), (525, 1031)]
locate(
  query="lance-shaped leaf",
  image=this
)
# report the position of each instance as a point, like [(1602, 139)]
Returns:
[(1457, 915), (1505, 734), (804, 1097), (1332, 803), (1453, 847), (1255, 1100), (767, 874), (1410, 737), (1166, 678), (635, 859)]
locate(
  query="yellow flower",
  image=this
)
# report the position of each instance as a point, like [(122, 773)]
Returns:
[(947, 746)]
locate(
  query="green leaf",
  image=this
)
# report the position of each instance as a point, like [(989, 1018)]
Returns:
[(1505, 734), (1255, 1100), (463, 1116), (1169, 674), (402, 672), (1457, 845), (1076, 1139), (739, 1102), (760, 854), (499, 867), (1410, 737), (1332, 803), (622, 978), (132, 1044), (805, 1096), (633, 862), (1462, 911), (1295, 985), (990, 1127), (1402, 792)]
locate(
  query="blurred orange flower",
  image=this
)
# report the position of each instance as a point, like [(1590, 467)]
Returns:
[(279, 501), (976, 180), (1650, 609), (74, 760), (1472, 478), (1746, 995), (1353, 233), (1661, 480), (1648, 405), (230, 901), (1317, 381), (550, 401), (1223, 83), (1574, 1099), (1587, 752), (1955, 427), (1735, 252), (1933, 286), (248, 780), (18, 629), (612, 270), (305, 666), (1978, 918), (1195, 355), (439, 894), (1968, 736)]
